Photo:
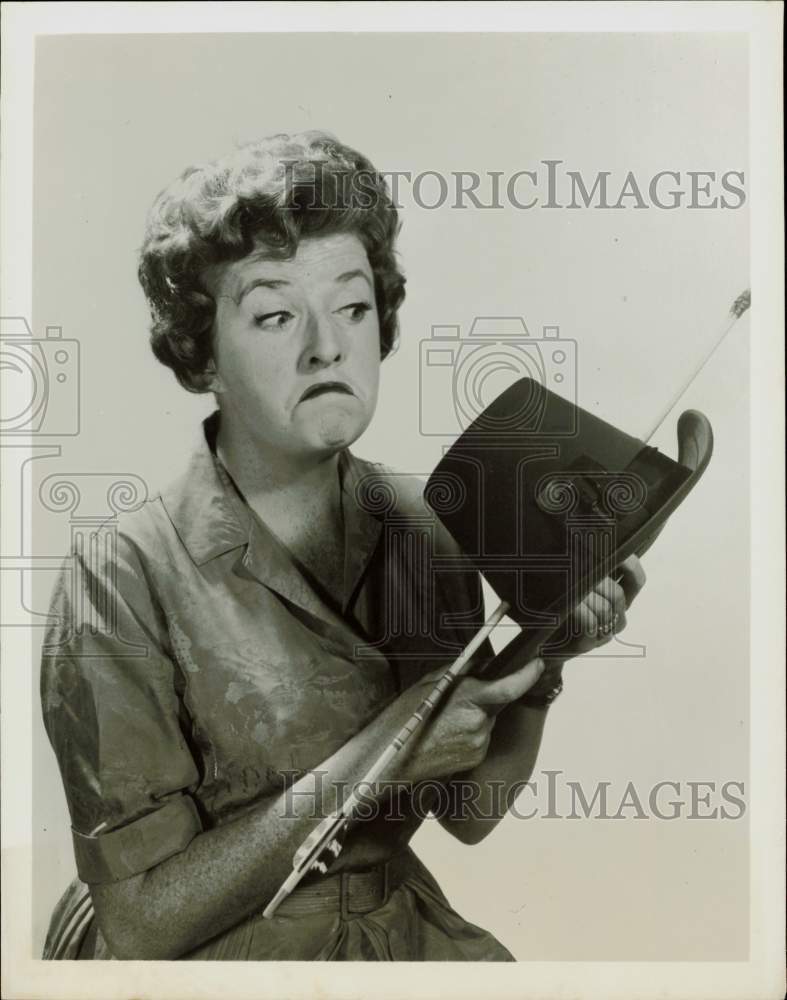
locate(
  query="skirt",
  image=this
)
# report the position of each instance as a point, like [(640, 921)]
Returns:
[(415, 922)]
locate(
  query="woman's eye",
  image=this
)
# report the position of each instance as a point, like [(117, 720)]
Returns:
[(274, 321), (356, 310)]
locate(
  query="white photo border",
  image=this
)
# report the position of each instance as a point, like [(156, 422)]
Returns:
[(762, 975)]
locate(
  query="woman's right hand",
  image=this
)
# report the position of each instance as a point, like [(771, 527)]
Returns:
[(456, 737)]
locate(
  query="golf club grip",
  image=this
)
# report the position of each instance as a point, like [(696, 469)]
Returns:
[(425, 709)]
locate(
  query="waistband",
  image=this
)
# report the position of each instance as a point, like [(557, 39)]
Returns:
[(349, 893)]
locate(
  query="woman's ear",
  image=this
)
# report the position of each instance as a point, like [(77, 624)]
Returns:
[(212, 378)]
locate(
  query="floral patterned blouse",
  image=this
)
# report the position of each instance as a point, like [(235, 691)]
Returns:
[(193, 670)]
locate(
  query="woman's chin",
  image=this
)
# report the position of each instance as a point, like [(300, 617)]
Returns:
[(336, 431)]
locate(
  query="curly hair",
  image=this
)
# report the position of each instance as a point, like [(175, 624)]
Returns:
[(271, 192)]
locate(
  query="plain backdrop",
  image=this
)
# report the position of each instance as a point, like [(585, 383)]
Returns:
[(641, 292)]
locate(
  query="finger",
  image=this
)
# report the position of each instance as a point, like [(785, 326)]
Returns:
[(614, 593), (601, 608), (494, 695), (584, 622), (631, 577), (609, 621)]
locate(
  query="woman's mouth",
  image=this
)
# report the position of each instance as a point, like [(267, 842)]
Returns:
[(320, 388)]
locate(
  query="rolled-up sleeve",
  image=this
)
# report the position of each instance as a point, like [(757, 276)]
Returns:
[(114, 717)]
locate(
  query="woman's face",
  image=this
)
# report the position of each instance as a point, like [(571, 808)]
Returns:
[(297, 345)]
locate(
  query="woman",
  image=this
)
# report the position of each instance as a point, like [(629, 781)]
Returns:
[(247, 668)]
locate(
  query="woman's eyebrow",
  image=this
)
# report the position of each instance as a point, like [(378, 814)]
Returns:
[(279, 282), (357, 273), (259, 283)]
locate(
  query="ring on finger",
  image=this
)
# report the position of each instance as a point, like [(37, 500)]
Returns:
[(610, 625)]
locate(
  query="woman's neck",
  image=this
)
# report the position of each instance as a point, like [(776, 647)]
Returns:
[(272, 482)]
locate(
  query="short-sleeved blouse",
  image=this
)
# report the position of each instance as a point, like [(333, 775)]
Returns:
[(193, 670)]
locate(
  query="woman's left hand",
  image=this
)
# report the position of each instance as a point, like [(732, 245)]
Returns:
[(602, 614)]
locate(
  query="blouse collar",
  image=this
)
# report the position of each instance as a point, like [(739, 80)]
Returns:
[(212, 519)]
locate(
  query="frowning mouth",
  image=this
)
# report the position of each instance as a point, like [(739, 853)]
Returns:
[(320, 388)]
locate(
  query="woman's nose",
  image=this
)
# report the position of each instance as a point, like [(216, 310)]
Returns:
[(324, 343)]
